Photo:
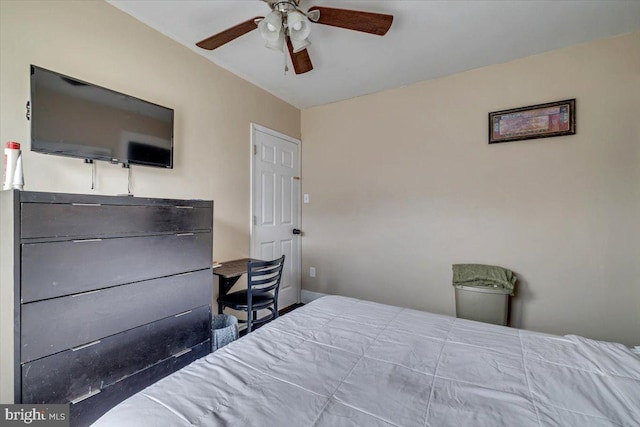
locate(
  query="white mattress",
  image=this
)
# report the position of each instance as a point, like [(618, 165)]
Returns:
[(346, 362)]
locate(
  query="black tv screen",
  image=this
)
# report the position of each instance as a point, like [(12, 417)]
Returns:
[(70, 117)]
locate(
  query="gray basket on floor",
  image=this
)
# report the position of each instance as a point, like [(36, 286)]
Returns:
[(224, 329)]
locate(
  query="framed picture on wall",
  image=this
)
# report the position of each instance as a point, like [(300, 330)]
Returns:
[(536, 121)]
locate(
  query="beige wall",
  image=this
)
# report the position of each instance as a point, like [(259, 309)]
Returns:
[(95, 42), (403, 184)]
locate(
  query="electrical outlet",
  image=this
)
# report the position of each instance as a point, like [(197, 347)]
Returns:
[(312, 272)]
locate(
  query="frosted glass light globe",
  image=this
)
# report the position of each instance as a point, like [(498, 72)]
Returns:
[(270, 27)]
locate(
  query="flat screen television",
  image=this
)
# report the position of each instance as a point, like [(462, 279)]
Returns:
[(74, 118)]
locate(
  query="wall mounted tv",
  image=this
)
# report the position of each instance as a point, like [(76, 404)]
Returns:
[(73, 118)]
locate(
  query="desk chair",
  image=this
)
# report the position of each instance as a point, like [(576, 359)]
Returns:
[(263, 282)]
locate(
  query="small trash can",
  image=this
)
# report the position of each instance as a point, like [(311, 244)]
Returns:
[(483, 304), (224, 329)]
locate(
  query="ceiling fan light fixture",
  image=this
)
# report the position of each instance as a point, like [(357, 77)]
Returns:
[(277, 44), (298, 26), (300, 45), (270, 28)]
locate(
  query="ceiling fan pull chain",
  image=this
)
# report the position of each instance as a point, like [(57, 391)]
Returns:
[(286, 66)]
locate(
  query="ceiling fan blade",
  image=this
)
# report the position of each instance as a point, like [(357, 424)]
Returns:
[(367, 22), (223, 37), (301, 61)]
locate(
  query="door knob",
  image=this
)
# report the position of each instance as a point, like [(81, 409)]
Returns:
[(296, 231)]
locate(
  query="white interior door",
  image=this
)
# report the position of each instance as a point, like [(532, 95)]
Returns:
[(275, 206)]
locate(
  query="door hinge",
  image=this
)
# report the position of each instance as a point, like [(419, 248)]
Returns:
[(297, 178), (255, 220), (255, 149)]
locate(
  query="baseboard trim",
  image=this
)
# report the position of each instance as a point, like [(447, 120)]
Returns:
[(307, 296)]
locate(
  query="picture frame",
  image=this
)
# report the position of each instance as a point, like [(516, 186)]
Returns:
[(535, 121)]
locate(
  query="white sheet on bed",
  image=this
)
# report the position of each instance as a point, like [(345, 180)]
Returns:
[(346, 362)]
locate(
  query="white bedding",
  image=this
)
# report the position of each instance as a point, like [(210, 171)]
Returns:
[(346, 362)]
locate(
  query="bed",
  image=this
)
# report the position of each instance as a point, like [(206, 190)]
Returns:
[(346, 362)]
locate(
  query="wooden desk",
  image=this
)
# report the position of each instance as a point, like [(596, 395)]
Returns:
[(228, 274)]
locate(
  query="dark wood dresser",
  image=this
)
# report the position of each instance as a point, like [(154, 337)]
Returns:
[(101, 296)]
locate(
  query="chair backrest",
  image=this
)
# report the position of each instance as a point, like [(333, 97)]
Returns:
[(264, 276)]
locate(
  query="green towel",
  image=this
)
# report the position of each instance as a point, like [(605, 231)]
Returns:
[(490, 276)]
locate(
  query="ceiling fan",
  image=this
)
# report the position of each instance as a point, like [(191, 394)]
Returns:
[(287, 24)]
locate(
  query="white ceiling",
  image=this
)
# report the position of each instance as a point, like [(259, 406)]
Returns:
[(428, 39)]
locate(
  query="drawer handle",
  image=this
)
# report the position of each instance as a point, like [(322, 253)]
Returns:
[(183, 352), (86, 240), (85, 396), (80, 347), (85, 293), (184, 234), (184, 274), (184, 207), (86, 204), (182, 314)]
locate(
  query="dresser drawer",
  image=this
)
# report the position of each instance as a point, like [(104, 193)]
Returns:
[(62, 268), (67, 375), (85, 412), (59, 324), (49, 220)]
